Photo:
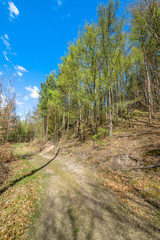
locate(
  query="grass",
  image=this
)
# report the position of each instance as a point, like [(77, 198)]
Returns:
[(20, 151), (18, 202), (139, 113), (20, 145)]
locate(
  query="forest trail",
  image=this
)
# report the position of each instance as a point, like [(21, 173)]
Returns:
[(75, 206)]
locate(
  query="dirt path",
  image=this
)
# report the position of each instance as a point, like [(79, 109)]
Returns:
[(76, 207)]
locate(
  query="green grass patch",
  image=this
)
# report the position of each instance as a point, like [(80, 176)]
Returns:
[(138, 113), (20, 145)]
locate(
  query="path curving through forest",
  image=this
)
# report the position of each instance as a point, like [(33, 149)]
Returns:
[(75, 206)]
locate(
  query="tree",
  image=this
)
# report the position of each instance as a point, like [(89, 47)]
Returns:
[(110, 36), (8, 118), (145, 18)]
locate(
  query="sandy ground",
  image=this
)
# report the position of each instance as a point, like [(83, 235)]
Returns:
[(75, 206)]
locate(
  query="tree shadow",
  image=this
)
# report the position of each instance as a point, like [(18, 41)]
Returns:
[(27, 156), (77, 214), (139, 134), (27, 175)]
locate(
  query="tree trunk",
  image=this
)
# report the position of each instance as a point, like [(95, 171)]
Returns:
[(68, 113), (55, 123), (47, 128), (110, 113), (63, 121), (150, 101)]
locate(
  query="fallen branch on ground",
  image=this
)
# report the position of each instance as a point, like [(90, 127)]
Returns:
[(153, 166)]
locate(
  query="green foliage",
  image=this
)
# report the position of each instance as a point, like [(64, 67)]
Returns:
[(101, 132), (102, 76)]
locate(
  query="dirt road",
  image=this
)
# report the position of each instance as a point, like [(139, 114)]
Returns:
[(75, 206)]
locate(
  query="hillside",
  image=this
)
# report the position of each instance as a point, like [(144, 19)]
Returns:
[(84, 191)]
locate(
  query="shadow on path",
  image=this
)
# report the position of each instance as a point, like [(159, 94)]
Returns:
[(77, 214), (28, 174)]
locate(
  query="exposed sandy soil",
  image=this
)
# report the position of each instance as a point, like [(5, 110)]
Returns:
[(76, 206)]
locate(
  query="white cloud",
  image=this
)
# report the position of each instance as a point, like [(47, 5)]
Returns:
[(1, 73), (20, 104), (5, 55), (5, 40), (26, 98), (59, 2), (6, 43), (13, 10), (20, 74), (20, 70), (34, 92), (6, 36), (57, 5)]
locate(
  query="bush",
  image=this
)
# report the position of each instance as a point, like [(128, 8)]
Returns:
[(6, 156)]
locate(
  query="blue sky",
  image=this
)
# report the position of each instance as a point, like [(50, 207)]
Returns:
[(34, 35)]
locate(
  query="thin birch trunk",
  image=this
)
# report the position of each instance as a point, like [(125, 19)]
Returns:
[(150, 101), (110, 113)]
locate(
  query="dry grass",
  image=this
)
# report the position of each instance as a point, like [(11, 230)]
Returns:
[(116, 157), (6, 157), (6, 154), (19, 200)]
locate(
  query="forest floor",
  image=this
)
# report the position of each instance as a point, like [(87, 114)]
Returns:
[(87, 193)]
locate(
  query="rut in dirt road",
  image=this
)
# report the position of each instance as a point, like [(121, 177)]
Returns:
[(77, 207)]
